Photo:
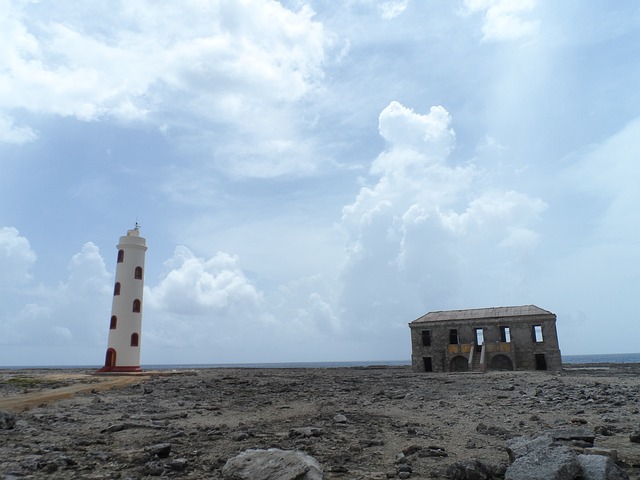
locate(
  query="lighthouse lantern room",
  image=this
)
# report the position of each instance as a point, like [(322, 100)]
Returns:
[(125, 334)]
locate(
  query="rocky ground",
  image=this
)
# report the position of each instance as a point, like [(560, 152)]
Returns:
[(358, 423)]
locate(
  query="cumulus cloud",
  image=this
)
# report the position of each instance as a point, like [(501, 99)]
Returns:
[(203, 306), (425, 234), (211, 66), (16, 258), (401, 127), (504, 19), (194, 285)]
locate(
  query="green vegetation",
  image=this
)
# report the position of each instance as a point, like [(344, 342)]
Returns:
[(23, 381)]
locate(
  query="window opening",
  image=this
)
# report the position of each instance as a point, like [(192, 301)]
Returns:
[(116, 288), (426, 338), (428, 367), (114, 323), (453, 336), (135, 339), (479, 336), (138, 274), (505, 334), (136, 306), (120, 256), (537, 334)]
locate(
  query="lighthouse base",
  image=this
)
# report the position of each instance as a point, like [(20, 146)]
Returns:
[(121, 369)]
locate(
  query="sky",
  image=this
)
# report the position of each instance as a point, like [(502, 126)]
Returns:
[(311, 176)]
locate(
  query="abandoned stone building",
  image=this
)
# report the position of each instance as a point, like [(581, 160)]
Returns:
[(499, 338)]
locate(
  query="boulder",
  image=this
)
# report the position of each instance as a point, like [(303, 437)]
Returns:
[(521, 446), (272, 464), (549, 463), (600, 467)]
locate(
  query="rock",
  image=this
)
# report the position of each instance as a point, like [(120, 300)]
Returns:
[(404, 471), (599, 467), (471, 470), (572, 434), (521, 446), (272, 464), (551, 463), (153, 469), (433, 452), (7, 420), (240, 436), (339, 418), (635, 436), (604, 430), (411, 449), (372, 442), (612, 453), (160, 450), (178, 464)]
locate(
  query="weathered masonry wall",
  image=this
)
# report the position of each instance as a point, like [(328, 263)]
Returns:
[(513, 342)]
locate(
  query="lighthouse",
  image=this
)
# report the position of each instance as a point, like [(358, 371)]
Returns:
[(125, 334)]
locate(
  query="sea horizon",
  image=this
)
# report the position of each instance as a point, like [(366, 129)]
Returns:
[(566, 359)]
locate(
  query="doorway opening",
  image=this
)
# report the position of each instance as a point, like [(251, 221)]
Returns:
[(428, 366), (541, 361), (110, 360)]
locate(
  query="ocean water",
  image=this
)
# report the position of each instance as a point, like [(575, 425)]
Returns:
[(571, 359), (387, 363), (567, 359), (603, 358)]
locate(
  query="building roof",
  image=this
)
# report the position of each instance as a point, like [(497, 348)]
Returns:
[(479, 313)]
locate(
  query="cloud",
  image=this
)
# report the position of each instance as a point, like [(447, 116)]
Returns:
[(428, 235), (194, 285), (74, 313), (402, 127), (203, 308), (9, 133), (503, 19), (208, 68), (392, 9), (16, 258)]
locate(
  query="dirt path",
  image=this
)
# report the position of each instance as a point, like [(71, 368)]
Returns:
[(26, 401)]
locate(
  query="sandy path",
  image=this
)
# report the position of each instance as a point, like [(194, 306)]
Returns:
[(26, 401)]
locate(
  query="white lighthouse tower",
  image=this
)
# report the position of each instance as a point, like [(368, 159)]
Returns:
[(125, 335)]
